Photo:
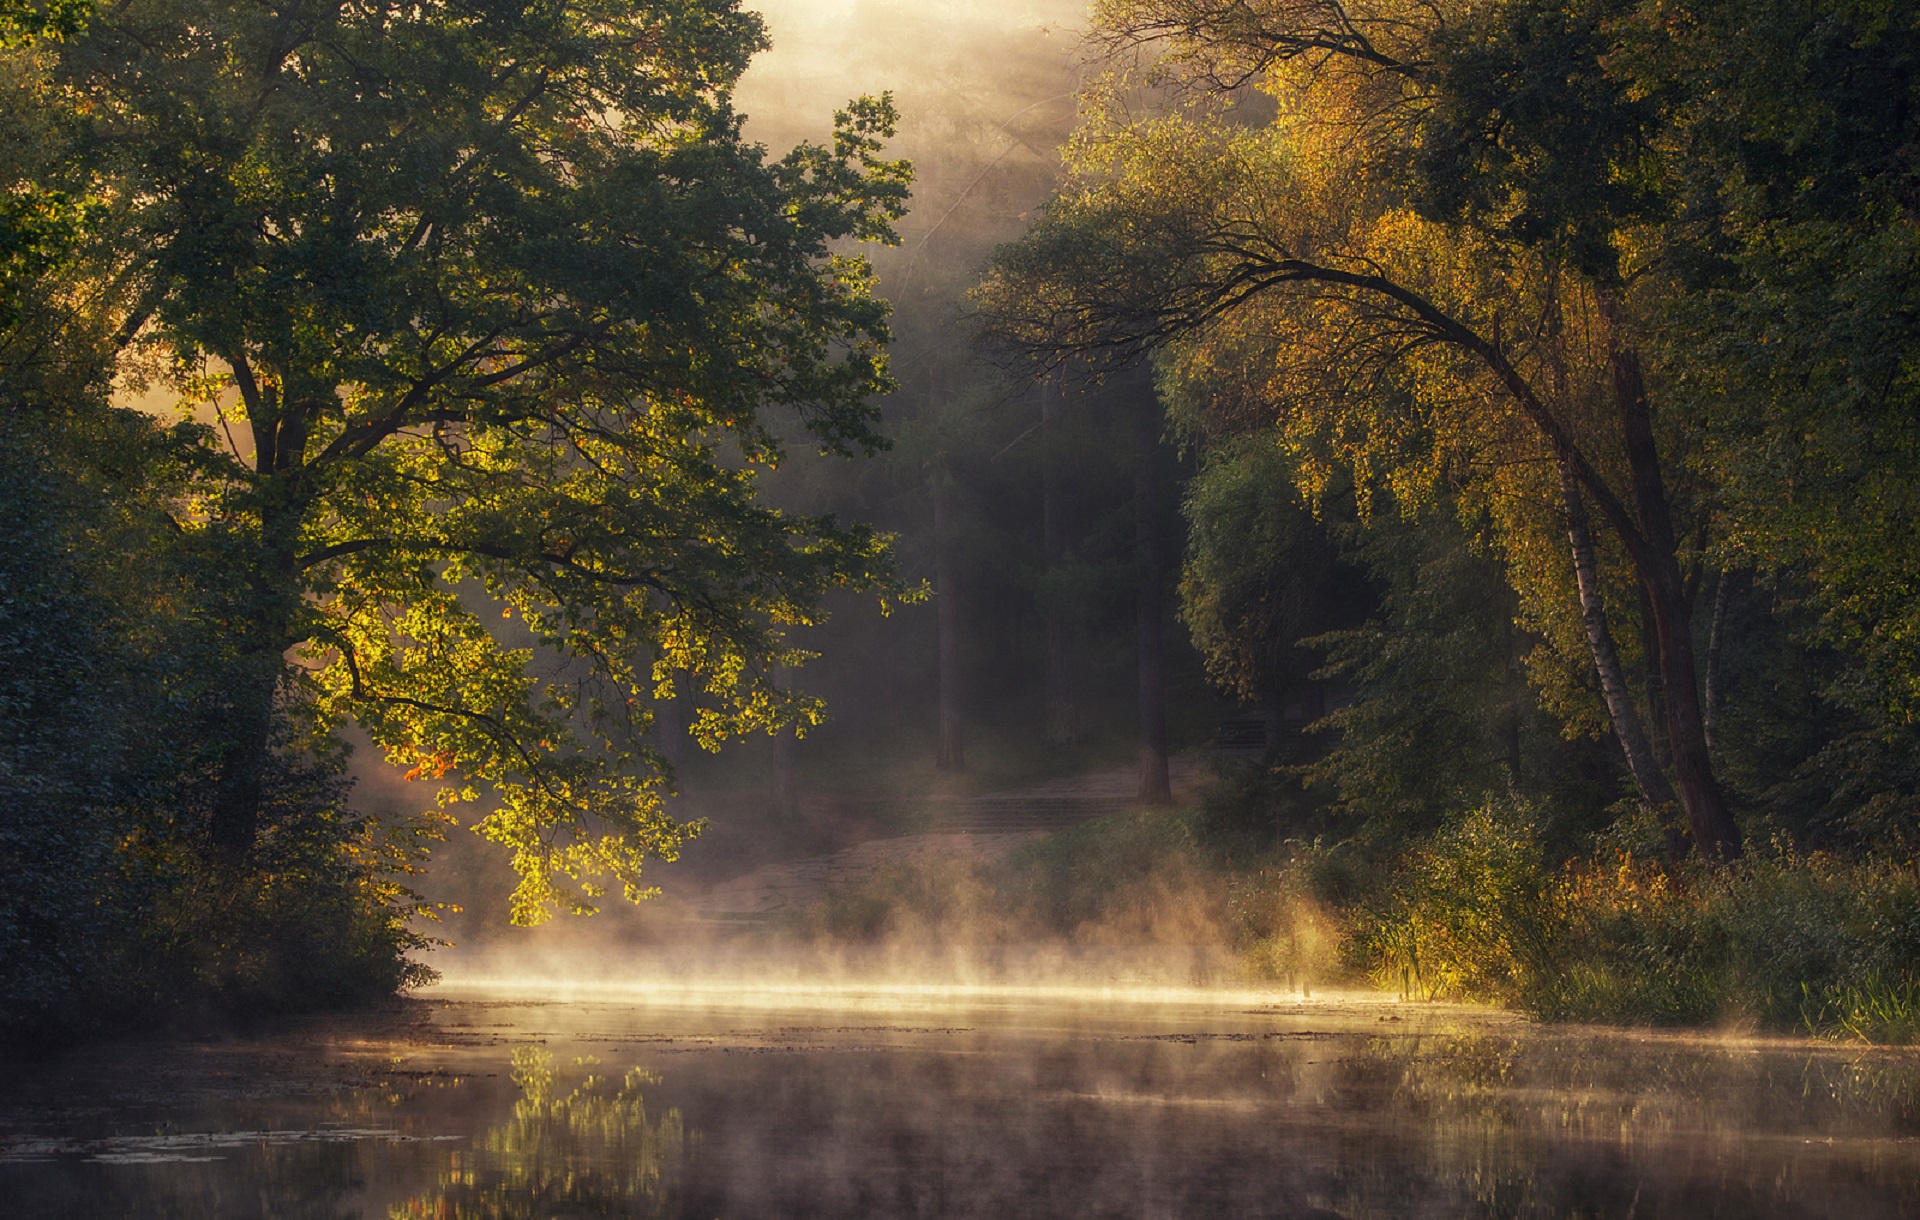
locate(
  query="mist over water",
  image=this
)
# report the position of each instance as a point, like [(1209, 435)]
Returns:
[(731, 1102)]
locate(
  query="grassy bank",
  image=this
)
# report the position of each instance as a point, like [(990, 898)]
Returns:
[(1780, 940), (1477, 911)]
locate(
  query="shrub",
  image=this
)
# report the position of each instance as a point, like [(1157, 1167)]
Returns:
[(1827, 944), (114, 669), (1287, 919), (1783, 940), (1473, 913)]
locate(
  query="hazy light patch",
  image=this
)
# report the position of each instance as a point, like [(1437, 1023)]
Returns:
[(928, 54), (858, 996)]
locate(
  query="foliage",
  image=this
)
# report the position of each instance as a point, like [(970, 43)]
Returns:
[(1289, 919), (60, 909), (1471, 913), (112, 665), (1259, 574), (579, 1140), (1789, 941), (1796, 332), (498, 297), (1442, 711)]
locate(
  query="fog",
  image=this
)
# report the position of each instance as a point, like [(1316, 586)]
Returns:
[(986, 94), (1037, 1103)]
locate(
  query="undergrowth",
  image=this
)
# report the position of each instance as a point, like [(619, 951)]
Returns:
[(1781, 939), (1478, 911)]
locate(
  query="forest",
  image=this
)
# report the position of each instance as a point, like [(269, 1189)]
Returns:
[(1499, 423)]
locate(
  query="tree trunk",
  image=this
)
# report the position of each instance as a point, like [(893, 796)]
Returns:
[(1714, 832), (1655, 685), (246, 729), (1710, 713), (1628, 728), (1713, 826), (952, 753), (671, 726), (786, 787), (233, 823), (1156, 786), (1062, 722)]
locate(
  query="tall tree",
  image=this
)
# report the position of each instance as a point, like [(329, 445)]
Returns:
[(1415, 332), (490, 300), (1062, 725), (951, 748), (1150, 553)]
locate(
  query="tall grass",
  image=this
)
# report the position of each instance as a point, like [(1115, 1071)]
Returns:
[(1781, 940)]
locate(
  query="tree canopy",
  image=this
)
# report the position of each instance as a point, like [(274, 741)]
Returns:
[(1524, 250), (476, 313)]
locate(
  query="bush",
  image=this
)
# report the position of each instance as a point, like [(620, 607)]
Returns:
[(320, 916), (1783, 940), (1472, 913), (115, 667), (1827, 944)]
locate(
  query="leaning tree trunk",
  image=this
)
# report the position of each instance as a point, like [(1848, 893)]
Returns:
[(1714, 832), (1156, 787), (1628, 728), (952, 752), (1062, 722)]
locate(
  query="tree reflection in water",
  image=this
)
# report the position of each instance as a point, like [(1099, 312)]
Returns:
[(579, 1144), (1617, 1124), (1014, 1114)]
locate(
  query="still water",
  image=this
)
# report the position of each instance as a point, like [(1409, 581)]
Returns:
[(963, 1103)]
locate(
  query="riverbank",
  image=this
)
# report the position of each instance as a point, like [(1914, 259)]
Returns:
[(1781, 941)]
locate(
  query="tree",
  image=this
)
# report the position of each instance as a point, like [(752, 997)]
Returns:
[(951, 752), (1062, 718), (1421, 335), (489, 302), (1794, 316), (1152, 489), (1260, 572)]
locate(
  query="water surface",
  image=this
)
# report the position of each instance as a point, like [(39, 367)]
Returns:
[(962, 1102)]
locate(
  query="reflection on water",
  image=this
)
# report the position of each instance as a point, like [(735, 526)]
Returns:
[(578, 1144), (728, 1106)]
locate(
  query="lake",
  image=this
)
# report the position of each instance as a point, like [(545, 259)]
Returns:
[(871, 1101)]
